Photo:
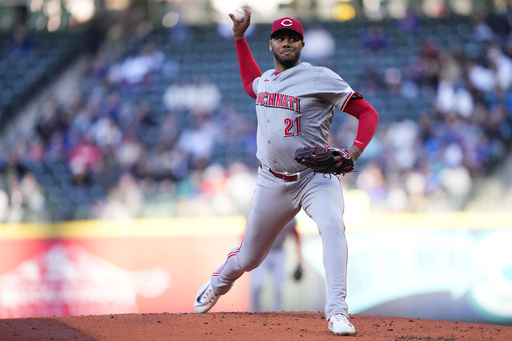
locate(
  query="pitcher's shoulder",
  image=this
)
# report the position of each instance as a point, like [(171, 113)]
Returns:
[(305, 66)]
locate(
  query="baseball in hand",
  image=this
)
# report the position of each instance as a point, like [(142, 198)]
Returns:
[(239, 15)]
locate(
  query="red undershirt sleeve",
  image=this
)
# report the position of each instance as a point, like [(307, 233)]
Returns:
[(249, 70), (368, 119)]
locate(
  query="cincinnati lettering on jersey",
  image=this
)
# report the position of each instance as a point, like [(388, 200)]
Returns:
[(274, 100)]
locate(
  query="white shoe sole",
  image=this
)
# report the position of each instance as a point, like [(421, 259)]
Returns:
[(343, 333), (349, 330), (206, 306)]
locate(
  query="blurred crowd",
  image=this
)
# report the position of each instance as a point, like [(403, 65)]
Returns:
[(431, 162), (192, 152)]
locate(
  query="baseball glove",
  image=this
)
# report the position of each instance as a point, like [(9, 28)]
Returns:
[(321, 159)]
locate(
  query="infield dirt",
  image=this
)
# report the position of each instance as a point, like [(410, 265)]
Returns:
[(281, 326)]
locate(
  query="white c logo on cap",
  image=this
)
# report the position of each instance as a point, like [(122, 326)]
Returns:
[(286, 22)]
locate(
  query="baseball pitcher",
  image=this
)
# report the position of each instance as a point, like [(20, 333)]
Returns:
[(295, 105)]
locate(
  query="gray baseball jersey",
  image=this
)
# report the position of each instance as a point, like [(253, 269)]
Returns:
[(294, 112)]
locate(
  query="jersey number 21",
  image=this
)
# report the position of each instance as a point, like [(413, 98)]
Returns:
[(292, 127)]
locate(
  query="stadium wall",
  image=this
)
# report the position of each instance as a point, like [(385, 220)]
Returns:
[(453, 266)]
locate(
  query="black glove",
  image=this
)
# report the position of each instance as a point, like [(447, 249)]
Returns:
[(321, 160)]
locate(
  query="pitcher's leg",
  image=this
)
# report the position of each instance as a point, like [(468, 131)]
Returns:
[(266, 219), (323, 202)]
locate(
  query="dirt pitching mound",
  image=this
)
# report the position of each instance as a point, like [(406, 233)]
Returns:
[(282, 326)]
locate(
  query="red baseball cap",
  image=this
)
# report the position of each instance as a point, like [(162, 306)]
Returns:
[(287, 24)]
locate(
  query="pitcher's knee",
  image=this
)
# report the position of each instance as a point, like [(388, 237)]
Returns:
[(330, 224), (251, 263)]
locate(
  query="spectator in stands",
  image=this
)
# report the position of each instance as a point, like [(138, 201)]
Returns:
[(320, 47), (372, 180), (179, 96), (84, 157), (372, 80), (4, 204), (15, 209), (111, 106), (374, 39), (508, 46), (56, 147), (180, 32), (139, 70), (454, 177), (186, 95), (481, 30), (21, 196), (453, 96), (130, 151), (4, 198), (501, 64), (199, 139), (124, 200), (106, 133), (410, 23), (108, 171), (240, 185), (206, 95), (237, 136), (47, 119), (21, 45), (423, 69), (402, 139), (33, 198), (480, 76), (393, 80)]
